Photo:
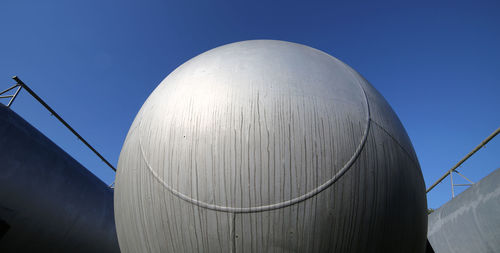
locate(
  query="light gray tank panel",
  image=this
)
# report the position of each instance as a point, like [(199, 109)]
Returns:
[(382, 114), (48, 201), (470, 222), (260, 146)]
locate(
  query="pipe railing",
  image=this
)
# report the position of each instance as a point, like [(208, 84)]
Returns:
[(22, 85), (464, 159)]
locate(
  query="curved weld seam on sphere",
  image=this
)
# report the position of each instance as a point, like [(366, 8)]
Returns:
[(282, 204)]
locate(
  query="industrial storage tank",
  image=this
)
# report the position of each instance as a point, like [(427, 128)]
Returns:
[(469, 222), (48, 201), (268, 146)]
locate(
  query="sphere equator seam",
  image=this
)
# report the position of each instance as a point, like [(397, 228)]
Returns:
[(281, 204)]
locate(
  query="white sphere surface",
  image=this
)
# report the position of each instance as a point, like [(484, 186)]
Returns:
[(263, 146)]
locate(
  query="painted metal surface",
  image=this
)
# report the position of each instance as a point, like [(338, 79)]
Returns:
[(268, 146), (470, 222), (48, 201)]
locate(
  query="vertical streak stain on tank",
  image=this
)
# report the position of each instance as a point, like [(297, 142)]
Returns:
[(275, 159)]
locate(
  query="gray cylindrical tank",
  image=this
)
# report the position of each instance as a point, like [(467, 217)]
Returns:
[(48, 201), (470, 222), (268, 146)]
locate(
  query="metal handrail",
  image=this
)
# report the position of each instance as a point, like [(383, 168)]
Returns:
[(21, 84), (464, 159)]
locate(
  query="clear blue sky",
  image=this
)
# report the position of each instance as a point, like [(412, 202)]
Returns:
[(96, 62)]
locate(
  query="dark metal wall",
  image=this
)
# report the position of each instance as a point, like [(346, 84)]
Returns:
[(470, 222), (48, 201)]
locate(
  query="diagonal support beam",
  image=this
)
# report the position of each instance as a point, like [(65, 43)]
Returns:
[(32, 93)]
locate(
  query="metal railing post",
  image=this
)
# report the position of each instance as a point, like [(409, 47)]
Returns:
[(452, 190), (14, 96)]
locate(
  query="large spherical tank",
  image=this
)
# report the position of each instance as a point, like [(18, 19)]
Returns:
[(268, 146)]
